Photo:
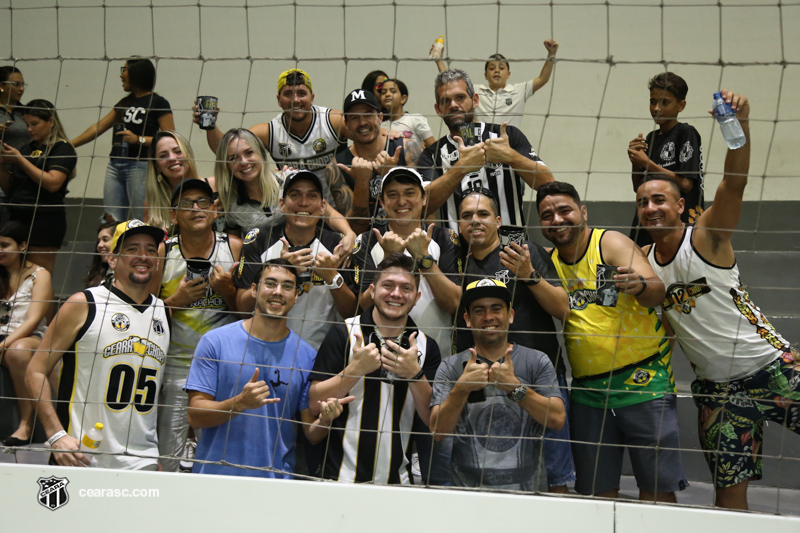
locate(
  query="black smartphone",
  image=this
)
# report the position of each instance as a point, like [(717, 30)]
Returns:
[(298, 248), (117, 140), (478, 396)]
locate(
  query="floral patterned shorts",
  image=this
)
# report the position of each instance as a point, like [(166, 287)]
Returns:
[(732, 414)]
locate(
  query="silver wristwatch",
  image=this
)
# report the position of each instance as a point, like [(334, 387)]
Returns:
[(336, 283), (518, 394), (142, 139)]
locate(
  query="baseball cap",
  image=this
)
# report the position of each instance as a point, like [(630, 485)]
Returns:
[(360, 96), (188, 185), (294, 176), (303, 73), (403, 172), (485, 288), (134, 227)]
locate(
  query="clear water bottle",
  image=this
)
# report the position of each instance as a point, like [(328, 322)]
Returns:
[(728, 123), (92, 438), (438, 48)]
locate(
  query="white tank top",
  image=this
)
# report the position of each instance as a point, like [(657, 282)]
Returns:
[(114, 376), (201, 316), (723, 334), (313, 151)]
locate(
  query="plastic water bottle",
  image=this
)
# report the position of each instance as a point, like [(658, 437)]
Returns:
[(728, 123), (438, 48), (92, 438)]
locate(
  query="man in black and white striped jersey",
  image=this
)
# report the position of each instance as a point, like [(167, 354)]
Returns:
[(382, 359), (495, 157)]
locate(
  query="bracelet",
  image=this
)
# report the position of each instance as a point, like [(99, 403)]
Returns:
[(553, 59), (419, 376), (644, 286), (55, 437)]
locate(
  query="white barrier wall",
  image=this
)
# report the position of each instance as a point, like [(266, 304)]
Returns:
[(104, 500), (608, 52)]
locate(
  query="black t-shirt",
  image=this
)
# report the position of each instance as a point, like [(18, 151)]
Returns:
[(506, 185), (680, 151), (533, 327), (23, 190), (345, 157), (140, 115)]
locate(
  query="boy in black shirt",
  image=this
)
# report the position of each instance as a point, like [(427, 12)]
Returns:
[(673, 151)]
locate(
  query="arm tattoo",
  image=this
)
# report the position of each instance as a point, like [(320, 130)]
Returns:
[(412, 150)]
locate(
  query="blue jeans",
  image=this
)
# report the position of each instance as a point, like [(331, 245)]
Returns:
[(125, 188), (557, 446)]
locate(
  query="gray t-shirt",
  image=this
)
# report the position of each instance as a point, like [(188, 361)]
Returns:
[(511, 456)]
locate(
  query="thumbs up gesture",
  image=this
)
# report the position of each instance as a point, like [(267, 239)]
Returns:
[(365, 359), (390, 241), (499, 150), (470, 157), (502, 376), (475, 375), (417, 243), (401, 361)]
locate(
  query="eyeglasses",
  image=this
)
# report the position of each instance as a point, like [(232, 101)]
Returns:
[(202, 203), (16, 84), (123, 69), (6, 309), (288, 286)]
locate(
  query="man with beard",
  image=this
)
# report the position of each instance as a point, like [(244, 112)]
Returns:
[(249, 381), (528, 272), (494, 157), (387, 364), (623, 390), (112, 340), (746, 372), (497, 398), (304, 136), (355, 177)]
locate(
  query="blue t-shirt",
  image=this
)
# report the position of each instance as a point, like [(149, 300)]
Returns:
[(223, 363)]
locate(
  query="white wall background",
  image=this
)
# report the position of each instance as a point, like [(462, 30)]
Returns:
[(580, 122)]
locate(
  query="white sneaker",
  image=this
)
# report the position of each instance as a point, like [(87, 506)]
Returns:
[(187, 459)]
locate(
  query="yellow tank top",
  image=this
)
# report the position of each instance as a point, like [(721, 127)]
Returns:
[(602, 339)]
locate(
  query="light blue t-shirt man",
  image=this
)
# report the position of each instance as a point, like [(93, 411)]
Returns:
[(224, 361)]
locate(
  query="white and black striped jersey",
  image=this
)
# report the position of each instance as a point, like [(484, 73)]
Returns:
[(370, 441), (113, 375), (314, 311), (505, 184), (314, 151)]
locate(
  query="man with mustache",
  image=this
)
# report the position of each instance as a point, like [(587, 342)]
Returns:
[(623, 389), (476, 155)]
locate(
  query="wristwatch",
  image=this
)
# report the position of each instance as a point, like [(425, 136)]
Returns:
[(533, 280), (518, 394), (426, 262), (142, 140), (336, 283)]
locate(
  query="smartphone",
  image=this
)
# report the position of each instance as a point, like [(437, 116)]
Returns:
[(117, 139), (478, 396)]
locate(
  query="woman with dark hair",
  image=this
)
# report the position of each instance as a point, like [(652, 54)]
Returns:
[(35, 180), (13, 129), (98, 272), (373, 81), (26, 294), (141, 114)]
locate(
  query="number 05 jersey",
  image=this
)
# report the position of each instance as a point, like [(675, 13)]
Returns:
[(113, 375)]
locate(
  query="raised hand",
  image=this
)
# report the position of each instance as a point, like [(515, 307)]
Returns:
[(303, 259), (330, 409), (499, 150), (254, 394), (222, 280), (385, 162), (552, 47), (628, 281), (517, 259), (188, 291), (417, 243), (390, 241), (470, 157), (475, 375), (360, 169), (325, 264), (502, 376), (365, 359), (402, 362)]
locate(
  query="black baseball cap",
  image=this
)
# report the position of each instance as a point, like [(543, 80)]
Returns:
[(360, 96), (188, 185), (294, 176)]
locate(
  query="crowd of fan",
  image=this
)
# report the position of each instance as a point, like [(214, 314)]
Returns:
[(377, 290)]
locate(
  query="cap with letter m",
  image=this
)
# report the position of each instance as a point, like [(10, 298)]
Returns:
[(360, 96)]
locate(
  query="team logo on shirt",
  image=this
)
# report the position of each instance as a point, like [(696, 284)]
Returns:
[(320, 145), (158, 326), (285, 149), (502, 275), (36, 153), (640, 377), (668, 151), (508, 101), (120, 322), (498, 419), (580, 296), (135, 345), (682, 296), (251, 236), (53, 492), (686, 152)]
